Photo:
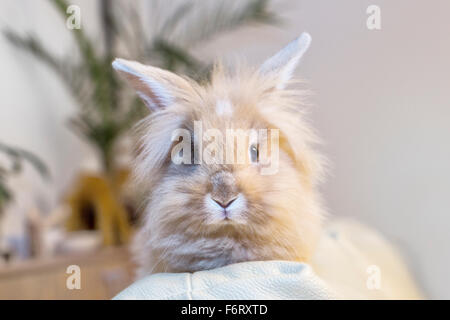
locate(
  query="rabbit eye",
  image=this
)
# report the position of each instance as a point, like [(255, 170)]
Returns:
[(254, 154)]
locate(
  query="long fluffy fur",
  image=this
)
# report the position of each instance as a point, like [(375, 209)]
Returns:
[(284, 211)]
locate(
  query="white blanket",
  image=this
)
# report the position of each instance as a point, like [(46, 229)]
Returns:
[(351, 262)]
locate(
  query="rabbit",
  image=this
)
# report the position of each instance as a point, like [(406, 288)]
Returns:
[(207, 214)]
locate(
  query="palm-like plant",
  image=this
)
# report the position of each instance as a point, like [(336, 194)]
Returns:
[(107, 109), (17, 157)]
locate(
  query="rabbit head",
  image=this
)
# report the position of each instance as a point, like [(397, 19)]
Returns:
[(229, 166)]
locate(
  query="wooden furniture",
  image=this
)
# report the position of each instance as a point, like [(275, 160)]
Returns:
[(103, 274)]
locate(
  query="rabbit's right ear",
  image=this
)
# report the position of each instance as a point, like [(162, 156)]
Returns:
[(158, 88), (283, 64)]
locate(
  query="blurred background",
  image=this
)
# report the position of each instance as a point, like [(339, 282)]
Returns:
[(381, 106)]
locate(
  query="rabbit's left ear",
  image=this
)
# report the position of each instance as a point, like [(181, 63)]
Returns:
[(158, 88), (283, 64)]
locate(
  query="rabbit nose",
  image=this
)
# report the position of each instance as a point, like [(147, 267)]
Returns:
[(225, 204)]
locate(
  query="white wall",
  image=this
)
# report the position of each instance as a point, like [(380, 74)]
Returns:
[(382, 108), (35, 108)]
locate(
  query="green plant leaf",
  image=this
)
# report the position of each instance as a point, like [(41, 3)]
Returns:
[(18, 155)]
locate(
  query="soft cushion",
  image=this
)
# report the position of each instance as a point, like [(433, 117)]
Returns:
[(351, 261)]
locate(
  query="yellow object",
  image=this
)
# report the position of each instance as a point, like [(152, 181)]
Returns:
[(95, 205)]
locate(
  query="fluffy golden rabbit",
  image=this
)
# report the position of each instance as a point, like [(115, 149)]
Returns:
[(207, 214)]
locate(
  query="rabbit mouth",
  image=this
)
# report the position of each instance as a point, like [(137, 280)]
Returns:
[(225, 212)]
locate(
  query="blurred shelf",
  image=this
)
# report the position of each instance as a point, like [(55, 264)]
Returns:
[(103, 274)]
